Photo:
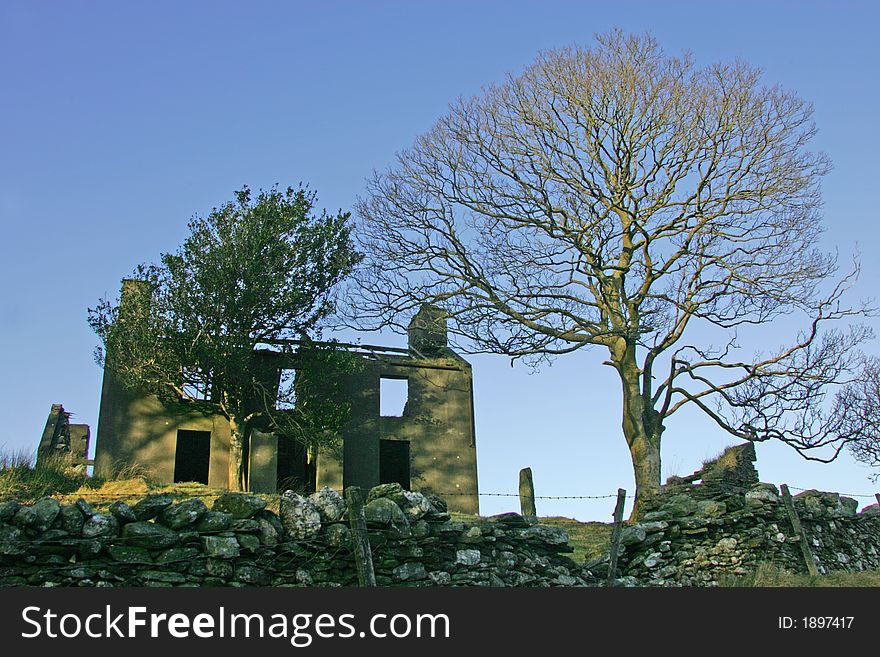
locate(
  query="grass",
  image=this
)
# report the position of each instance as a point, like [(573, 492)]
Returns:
[(768, 575), (134, 489), (24, 481), (588, 539)]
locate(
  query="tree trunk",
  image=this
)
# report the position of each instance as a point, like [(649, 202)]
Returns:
[(641, 428), (236, 455), (645, 455)]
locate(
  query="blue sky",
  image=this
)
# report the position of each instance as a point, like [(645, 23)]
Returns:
[(119, 121)]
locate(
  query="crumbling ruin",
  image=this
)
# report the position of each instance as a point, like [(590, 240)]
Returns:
[(429, 446), (722, 522), (62, 437)]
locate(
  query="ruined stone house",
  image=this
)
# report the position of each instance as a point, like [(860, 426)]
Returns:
[(428, 445)]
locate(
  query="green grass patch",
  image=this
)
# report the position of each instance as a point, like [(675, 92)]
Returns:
[(768, 575), (589, 539)]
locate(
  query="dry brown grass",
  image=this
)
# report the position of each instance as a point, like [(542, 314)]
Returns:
[(132, 490), (24, 481)]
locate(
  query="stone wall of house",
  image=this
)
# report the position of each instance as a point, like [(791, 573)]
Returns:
[(722, 522), (238, 542)]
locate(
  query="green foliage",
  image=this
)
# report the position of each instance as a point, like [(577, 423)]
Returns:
[(316, 411), (255, 271)]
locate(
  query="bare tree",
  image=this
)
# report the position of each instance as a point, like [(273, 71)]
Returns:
[(859, 404), (618, 197)]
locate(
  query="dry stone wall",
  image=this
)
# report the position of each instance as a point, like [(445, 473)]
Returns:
[(702, 530), (238, 542), (721, 522)]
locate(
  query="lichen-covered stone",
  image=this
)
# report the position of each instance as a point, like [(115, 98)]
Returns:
[(338, 535), (11, 541), (85, 508), (7, 510), (180, 515), (122, 512), (239, 505), (632, 534), (392, 491), (510, 519), (691, 549), (416, 506), (329, 503), (248, 543), (553, 536), (299, 516), (761, 494), (653, 559), (100, 526), (25, 517), (46, 510), (438, 503), (149, 535), (384, 513), (407, 572), (219, 568), (467, 557), (221, 547), (252, 575), (267, 535), (272, 519), (249, 525), (89, 548), (163, 576), (420, 529), (440, 578), (679, 505), (129, 554), (213, 522), (177, 555), (848, 506), (151, 506), (710, 508)]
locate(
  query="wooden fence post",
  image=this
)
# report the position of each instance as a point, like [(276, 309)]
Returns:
[(527, 495), (363, 555), (799, 529), (615, 536)]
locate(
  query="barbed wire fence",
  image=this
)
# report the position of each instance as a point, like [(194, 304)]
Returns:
[(216, 493)]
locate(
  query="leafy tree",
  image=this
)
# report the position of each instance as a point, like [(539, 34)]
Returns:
[(621, 198), (255, 271)]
